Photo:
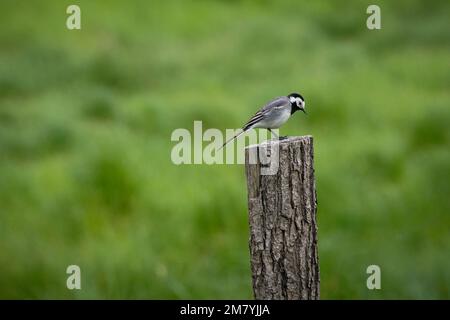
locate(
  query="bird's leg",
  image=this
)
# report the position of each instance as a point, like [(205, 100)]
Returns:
[(279, 138), (273, 133)]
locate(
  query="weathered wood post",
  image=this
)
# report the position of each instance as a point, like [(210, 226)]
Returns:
[(282, 216)]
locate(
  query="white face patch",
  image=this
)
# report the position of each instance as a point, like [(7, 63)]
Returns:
[(298, 101)]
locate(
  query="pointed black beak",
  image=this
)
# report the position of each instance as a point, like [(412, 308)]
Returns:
[(304, 111)]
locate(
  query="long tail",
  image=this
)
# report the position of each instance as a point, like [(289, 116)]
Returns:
[(235, 137)]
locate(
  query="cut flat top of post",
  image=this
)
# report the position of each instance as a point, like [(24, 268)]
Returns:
[(281, 141)]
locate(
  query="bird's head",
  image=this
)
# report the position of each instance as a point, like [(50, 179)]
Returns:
[(297, 102)]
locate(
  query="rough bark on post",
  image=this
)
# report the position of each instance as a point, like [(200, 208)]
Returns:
[(282, 217)]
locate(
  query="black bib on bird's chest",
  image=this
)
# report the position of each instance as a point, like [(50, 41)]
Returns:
[(294, 108)]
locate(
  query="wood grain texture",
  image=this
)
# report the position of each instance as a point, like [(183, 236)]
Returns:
[(282, 219)]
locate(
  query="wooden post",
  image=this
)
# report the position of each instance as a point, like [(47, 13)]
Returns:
[(282, 216)]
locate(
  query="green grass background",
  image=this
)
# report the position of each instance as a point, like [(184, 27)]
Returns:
[(85, 124)]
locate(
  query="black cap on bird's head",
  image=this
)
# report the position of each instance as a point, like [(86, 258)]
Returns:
[(297, 102)]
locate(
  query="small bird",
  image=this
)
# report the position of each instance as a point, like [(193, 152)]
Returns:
[(274, 114)]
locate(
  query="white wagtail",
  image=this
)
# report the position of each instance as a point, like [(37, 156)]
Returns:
[(274, 114)]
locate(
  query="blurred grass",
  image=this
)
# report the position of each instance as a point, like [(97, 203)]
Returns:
[(85, 124)]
